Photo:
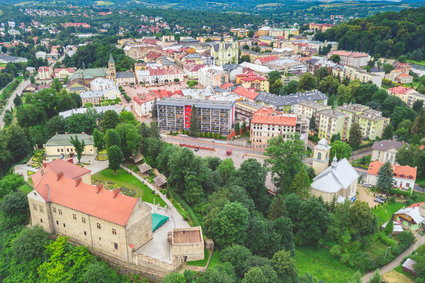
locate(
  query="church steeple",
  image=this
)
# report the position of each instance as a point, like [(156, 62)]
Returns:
[(111, 72)]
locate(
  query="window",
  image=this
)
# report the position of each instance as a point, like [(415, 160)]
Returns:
[(98, 226), (41, 220), (54, 209), (57, 222), (100, 238), (60, 211), (34, 206), (83, 220), (74, 216), (64, 225), (319, 156), (41, 208), (114, 231), (116, 246), (85, 233)]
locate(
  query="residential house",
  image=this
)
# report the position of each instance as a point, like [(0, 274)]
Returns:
[(249, 79), (310, 109), (412, 216), (212, 76), (403, 176), (60, 144), (63, 73), (386, 150), (351, 59), (44, 74), (289, 103), (331, 122)]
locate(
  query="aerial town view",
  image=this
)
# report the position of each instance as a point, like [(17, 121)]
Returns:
[(217, 141)]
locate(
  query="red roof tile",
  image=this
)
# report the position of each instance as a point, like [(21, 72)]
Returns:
[(269, 116), (404, 172), (226, 85), (107, 205), (399, 89), (245, 93)]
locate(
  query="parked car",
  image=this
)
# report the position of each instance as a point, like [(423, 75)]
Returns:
[(380, 199), (367, 185)]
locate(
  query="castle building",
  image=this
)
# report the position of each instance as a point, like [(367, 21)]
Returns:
[(120, 229)]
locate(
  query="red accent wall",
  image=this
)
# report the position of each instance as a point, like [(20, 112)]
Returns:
[(187, 114)]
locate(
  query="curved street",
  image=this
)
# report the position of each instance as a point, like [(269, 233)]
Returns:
[(10, 104)]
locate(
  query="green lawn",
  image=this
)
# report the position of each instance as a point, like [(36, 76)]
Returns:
[(215, 259), (421, 182), (322, 265), (384, 211), (201, 262), (25, 188), (417, 62), (122, 178)]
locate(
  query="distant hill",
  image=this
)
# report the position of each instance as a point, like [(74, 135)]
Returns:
[(390, 34)]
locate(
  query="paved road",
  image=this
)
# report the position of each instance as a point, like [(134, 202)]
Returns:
[(9, 103), (398, 260)]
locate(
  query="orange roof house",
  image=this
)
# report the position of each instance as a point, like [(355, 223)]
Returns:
[(403, 176)]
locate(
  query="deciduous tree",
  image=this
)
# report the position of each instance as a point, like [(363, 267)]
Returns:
[(355, 136), (78, 146), (115, 157)]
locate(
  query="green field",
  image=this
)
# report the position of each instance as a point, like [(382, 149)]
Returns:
[(321, 264), (122, 178), (201, 262), (383, 212), (422, 63), (104, 3)]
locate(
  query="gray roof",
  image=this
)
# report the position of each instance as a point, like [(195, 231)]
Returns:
[(295, 98), (91, 94), (65, 139), (385, 145), (199, 103), (340, 175), (144, 168), (409, 264), (88, 73), (125, 75), (10, 59), (100, 109)]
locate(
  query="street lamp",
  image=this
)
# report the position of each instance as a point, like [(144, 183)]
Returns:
[(386, 251)]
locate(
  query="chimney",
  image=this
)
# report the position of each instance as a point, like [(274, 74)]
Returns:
[(78, 181), (116, 192), (59, 175), (99, 187), (44, 164), (71, 160)]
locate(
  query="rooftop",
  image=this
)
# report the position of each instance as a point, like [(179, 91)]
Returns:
[(65, 139), (340, 175), (292, 99), (111, 206), (200, 103), (269, 116), (399, 171), (190, 235), (385, 145)]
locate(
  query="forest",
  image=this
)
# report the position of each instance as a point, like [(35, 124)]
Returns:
[(390, 34)]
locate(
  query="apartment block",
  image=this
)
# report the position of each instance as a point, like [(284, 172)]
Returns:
[(331, 122), (310, 108), (212, 116)]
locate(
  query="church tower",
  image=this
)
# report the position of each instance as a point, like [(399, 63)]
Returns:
[(111, 73), (321, 154)]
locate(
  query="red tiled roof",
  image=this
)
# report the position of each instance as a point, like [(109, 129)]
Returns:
[(404, 172), (270, 116), (107, 205), (399, 89), (241, 91), (348, 53), (59, 165), (267, 59), (404, 75), (226, 85), (250, 76)]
